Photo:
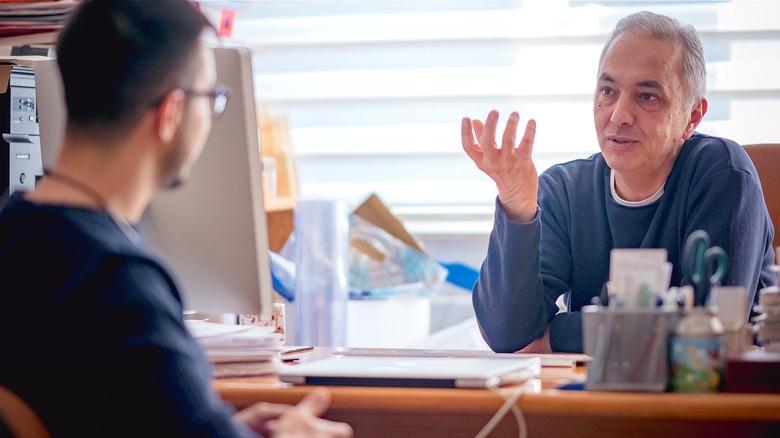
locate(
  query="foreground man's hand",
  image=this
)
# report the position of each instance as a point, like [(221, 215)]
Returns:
[(301, 420)]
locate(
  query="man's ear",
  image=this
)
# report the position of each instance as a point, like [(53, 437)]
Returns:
[(696, 115), (169, 115)]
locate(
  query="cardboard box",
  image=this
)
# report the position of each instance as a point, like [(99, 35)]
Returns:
[(375, 211)]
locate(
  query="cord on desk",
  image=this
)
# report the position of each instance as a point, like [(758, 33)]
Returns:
[(509, 403)]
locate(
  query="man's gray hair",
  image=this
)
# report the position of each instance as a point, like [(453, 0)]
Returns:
[(665, 28)]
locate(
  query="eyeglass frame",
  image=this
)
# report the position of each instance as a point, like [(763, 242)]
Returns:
[(219, 97)]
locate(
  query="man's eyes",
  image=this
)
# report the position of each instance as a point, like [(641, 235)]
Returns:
[(649, 97), (644, 97)]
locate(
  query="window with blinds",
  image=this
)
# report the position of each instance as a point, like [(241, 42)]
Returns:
[(374, 91)]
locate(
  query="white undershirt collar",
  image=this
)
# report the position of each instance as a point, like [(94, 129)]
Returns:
[(654, 197)]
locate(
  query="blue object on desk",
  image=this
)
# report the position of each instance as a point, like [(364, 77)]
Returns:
[(704, 264), (280, 287), (282, 276), (572, 386), (461, 275)]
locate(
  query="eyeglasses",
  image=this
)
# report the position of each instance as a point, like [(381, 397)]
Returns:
[(218, 98)]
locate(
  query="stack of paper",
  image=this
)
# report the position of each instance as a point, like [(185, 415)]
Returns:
[(238, 350), (24, 18), (638, 276)]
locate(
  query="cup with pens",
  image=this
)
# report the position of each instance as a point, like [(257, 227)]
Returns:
[(627, 333)]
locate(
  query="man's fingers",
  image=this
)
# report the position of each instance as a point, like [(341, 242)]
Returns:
[(303, 419), (510, 132), (483, 147), (478, 127), (258, 415), (487, 137), (473, 150), (316, 402), (527, 142), (335, 429), (266, 410), (467, 135), (311, 426)]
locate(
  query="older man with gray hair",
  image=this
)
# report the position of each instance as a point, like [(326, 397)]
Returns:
[(654, 182)]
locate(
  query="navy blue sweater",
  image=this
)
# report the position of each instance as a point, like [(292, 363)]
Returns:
[(92, 335), (565, 250)]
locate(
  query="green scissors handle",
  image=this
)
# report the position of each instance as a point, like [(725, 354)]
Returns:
[(705, 265)]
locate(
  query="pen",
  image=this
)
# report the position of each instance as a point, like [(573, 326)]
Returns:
[(294, 350)]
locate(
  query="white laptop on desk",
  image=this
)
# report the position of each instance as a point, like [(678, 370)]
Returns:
[(548, 359), (399, 371)]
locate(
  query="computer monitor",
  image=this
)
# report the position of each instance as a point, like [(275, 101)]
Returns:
[(212, 230), (51, 109)]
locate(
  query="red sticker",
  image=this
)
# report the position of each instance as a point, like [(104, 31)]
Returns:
[(226, 23)]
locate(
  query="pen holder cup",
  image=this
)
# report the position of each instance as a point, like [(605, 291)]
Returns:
[(628, 347)]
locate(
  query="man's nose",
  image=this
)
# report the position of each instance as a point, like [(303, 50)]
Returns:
[(624, 111)]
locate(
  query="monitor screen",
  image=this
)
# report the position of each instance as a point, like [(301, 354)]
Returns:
[(212, 230)]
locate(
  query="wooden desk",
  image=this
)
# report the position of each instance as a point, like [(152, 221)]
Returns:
[(415, 412)]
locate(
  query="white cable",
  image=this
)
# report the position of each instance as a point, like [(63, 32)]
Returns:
[(509, 403)]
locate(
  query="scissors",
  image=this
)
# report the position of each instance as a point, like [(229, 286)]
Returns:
[(704, 264)]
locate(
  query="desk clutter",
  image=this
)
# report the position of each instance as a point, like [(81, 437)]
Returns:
[(622, 360), (759, 370), (238, 350), (767, 323), (641, 335), (334, 257)]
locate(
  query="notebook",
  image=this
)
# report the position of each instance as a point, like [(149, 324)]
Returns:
[(398, 371)]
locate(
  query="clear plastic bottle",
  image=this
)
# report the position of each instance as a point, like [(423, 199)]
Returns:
[(696, 352)]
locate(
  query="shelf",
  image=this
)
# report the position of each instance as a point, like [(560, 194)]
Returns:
[(280, 221), (273, 205)]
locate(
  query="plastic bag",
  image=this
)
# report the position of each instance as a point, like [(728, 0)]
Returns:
[(381, 265)]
